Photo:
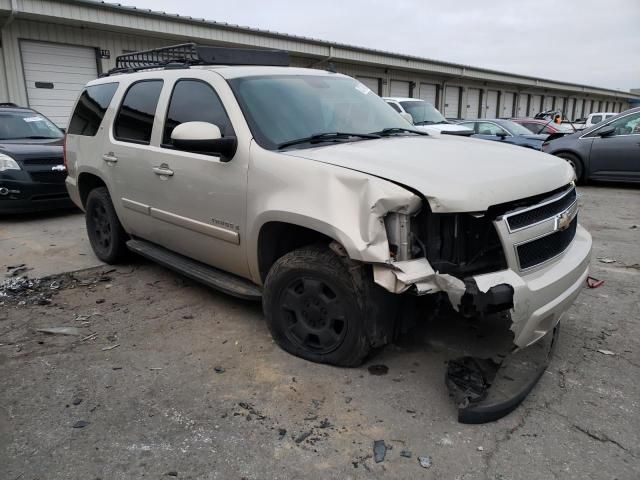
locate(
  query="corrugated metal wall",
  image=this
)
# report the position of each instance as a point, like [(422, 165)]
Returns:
[(116, 43)]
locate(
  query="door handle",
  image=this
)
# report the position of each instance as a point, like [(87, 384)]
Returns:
[(163, 170), (109, 157)]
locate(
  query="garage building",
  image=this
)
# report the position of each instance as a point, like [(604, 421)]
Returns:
[(51, 48)]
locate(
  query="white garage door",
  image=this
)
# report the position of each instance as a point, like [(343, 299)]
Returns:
[(587, 107), (570, 114), (428, 93), (523, 99), (578, 109), (473, 104), (399, 88), (507, 105), (534, 107), (492, 104), (452, 102), (54, 76), (371, 83), (559, 104)]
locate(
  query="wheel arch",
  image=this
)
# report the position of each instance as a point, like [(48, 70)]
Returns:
[(88, 181)]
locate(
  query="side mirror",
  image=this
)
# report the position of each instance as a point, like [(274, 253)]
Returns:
[(501, 135), (606, 131), (407, 117), (203, 137)]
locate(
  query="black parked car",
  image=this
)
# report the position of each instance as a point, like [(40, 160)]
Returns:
[(609, 150), (32, 170), (504, 131)]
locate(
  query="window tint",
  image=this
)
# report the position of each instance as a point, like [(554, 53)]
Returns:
[(469, 125), (91, 107), (195, 101), (394, 106), (596, 119), (629, 125), (533, 127), (135, 118), (486, 128)]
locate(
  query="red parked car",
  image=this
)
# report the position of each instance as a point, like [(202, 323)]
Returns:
[(543, 126)]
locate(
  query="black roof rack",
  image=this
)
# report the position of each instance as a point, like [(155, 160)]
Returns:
[(187, 54)]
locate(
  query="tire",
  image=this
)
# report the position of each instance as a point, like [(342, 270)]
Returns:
[(575, 163), (316, 307), (106, 235)]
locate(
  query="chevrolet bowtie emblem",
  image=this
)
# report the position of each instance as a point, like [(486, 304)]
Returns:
[(58, 168), (563, 221)]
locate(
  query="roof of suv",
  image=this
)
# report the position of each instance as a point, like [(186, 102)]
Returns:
[(227, 72)]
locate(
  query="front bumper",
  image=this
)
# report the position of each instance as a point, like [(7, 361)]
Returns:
[(541, 298), (25, 195)]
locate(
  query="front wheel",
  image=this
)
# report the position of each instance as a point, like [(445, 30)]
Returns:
[(106, 235), (315, 309), (575, 163)]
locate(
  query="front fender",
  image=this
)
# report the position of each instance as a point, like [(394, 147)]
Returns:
[(343, 204)]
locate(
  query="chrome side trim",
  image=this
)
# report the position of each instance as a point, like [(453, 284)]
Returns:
[(136, 206), (197, 226)]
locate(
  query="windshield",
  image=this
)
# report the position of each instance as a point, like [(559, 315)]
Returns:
[(283, 108), (423, 113), (20, 124), (514, 128)]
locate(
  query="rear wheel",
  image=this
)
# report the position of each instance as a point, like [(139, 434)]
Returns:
[(106, 235), (315, 309), (575, 163)]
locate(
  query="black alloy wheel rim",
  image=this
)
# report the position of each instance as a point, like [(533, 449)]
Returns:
[(314, 315), (101, 226)]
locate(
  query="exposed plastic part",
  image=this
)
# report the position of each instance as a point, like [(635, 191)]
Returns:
[(485, 391)]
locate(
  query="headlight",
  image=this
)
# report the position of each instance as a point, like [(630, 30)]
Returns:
[(8, 163)]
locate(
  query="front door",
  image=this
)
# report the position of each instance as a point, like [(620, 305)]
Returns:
[(202, 204), (617, 155)]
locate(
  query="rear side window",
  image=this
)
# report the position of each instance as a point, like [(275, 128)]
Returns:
[(90, 110), (394, 106), (134, 122), (596, 119), (195, 101)]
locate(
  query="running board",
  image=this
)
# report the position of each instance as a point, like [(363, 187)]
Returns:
[(212, 277)]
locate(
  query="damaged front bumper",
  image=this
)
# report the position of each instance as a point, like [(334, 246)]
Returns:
[(536, 300)]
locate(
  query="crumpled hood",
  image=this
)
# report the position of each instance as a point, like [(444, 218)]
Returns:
[(455, 174)]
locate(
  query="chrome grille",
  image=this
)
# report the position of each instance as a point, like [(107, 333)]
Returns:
[(535, 234)]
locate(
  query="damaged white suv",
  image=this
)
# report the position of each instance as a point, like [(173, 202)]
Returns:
[(304, 189)]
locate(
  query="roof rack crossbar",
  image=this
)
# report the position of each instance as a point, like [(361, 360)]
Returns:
[(187, 54)]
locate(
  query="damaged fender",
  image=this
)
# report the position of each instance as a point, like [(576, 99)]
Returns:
[(343, 204)]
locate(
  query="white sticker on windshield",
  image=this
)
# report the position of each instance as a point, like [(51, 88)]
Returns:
[(363, 89), (33, 119)]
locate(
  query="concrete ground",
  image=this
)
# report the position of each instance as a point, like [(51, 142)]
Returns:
[(140, 385)]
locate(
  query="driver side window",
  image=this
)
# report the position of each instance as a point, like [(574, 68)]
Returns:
[(195, 101), (629, 125), (486, 128)]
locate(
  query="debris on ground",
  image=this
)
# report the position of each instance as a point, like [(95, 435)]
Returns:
[(76, 401), (593, 282), (405, 454), (80, 424), (187, 316), (606, 260), (378, 369), (348, 399), (60, 331), (468, 379), (606, 352), (480, 448), (303, 436), (425, 461), (282, 432), (219, 369), (111, 347), (379, 450), (15, 270), (172, 473)]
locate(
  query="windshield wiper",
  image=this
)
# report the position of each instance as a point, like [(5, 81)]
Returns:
[(425, 122), (385, 132), (326, 137)]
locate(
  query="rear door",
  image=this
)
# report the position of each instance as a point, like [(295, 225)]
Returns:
[(473, 103), (618, 155), (452, 102), (202, 202), (399, 88), (428, 93)]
